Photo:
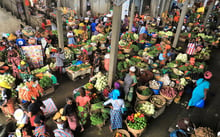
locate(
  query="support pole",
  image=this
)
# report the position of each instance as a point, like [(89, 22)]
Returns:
[(141, 7), (162, 7), (167, 7), (59, 26), (180, 24), (116, 24), (209, 12), (131, 16)]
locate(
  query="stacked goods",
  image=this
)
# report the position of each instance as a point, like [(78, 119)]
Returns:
[(101, 83), (158, 100), (88, 86), (136, 121), (9, 79), (143, 93), (145, 107), (121, 133), (153, 84), (168, 93), (29, 90), (45, 82), (40, 70), (58, 116), (76, 68), (204, 132), (98, 119), (97, 106)]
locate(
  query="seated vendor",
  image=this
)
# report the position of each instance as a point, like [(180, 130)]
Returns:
[(24, 71)]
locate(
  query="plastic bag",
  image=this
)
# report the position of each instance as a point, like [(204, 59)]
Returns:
[(200, 104)]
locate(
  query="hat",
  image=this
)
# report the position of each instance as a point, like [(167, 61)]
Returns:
[(207, 75), (18, 114), (81, 24), (132, 69), (23, 62)]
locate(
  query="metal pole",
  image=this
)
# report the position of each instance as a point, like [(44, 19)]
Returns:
[(131, 16), (141, 7), (180, 24), (162, 7), (59, 26), (208, 12), (116, 24)]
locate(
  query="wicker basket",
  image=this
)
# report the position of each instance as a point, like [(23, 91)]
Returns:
[(122, 131), (127, 50), (141, 102), (142, 97), (135, 132), (167, 98), (161, 98)]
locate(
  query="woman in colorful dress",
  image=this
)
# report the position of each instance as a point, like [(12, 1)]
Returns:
[(40, 127), (24, 71), (115, 113), (83, 104)]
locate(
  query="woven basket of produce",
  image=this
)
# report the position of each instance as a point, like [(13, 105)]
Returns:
[(168, 93), (136, 123), (143, 93), (158, 101), (121, 133), (2, 63), (127, 50), (145, 107), (204, 132)]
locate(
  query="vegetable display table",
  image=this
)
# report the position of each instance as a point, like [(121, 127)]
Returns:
[(73, 75)]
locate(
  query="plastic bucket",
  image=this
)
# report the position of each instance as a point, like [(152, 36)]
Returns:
[(156, 91)]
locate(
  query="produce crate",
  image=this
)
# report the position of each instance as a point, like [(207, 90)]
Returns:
[(74, 75), (158, 112), (49, 91)]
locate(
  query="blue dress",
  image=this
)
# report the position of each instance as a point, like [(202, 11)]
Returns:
[(198, 92)]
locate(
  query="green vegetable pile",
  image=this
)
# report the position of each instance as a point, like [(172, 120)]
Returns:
[(145, 92), (98, 118), (45, 82), (97, 106), (40, 70), (136, 121)]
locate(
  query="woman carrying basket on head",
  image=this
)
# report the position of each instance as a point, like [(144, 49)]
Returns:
[(83, 103)]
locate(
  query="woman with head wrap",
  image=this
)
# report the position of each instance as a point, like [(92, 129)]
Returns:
[(200, 92), (115, 113)]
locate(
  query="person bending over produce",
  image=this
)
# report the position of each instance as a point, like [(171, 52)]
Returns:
[(70, 113), (24, 71), (40, 127), (200, 92), (116, 110), (83, 104)]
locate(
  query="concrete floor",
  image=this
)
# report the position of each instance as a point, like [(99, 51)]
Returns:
[(8, 23), (209, 116)]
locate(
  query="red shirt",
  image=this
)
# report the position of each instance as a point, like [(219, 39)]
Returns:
[(82, 100)]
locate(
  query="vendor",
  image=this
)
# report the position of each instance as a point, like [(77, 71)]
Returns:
[(83, 105), (6, 102), (24, 71), (14, 59), (96, 64), (84, 56), (40, 127), (130, 81), (200, 92)]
